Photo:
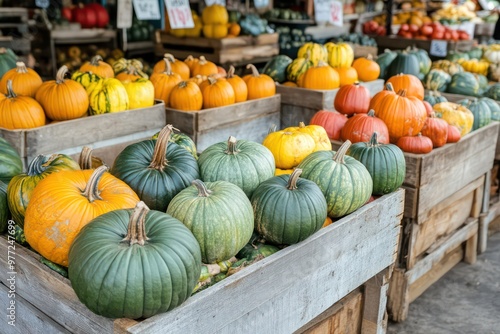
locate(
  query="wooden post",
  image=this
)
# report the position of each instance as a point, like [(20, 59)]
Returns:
[(374, 313)]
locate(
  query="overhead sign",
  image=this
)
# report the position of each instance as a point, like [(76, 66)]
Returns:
[(216, 2), (179, 14), (331, 11), (124, 14), (337, 13), (438, 48), (147, 9)]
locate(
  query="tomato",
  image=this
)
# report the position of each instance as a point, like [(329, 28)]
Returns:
[(454, 35), (437, 35), (67, 13), (426, 30), (447, 35), (421, 37), (404, 27), (381, 31), (436, 26), (414, 28), (463, 35), (406, 34)]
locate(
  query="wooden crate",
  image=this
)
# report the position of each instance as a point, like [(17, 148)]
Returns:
[(237, 50), (364, 51), (300, 104), (246, 120), (279, 294), (107, 133), (399, 43)]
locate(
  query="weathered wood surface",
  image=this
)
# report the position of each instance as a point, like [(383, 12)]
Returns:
[(374, 308), (216, 43), (73, 134)]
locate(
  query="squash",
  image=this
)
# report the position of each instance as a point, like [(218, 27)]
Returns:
[(367, 68), (217, 31), (288, 209), (183, 140), (352, 99), (289, 84), (156, 169), (64, 202), (141, 93), (87, 160), (186, 95), (62, 99), (11, 164), (456, 115), (449, 67), (130, 74), (220, 216), (190, 61), (384, 60), (405, 63), (347, 76), (217, 93), (314, 51), (321, 77), (238, 84), (259, 85), (8, 60), (331, 121), (360, 127), (424, 61), (437, 80), (480, 110), (344, 181), (4, 208), (493, 92), (453, 134), (164, 82), (123, 64), (256, 248), (340, 55), (317, 132), (161, 272), (203, 67), (436, 129), (19, 112), (215, 14), (289, 148), (297, 68), (475, 66), (415, 144), (98, 66), (85, 78), (279, 172), (434, 97), (375, 101), (107, 96), (464, 83), (493, 106), (385, 163), (176, 66), (25, 81), (276, 67), (408, 82), (243, 163)]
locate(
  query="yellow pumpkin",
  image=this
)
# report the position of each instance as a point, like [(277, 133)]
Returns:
[(141, 93), (289, 148), (321, 76), (339, 55), (107, 96), (314, 52), (455, 114), (279, 172), (215, 30), (198, 26), (317, 132), (215, 14)]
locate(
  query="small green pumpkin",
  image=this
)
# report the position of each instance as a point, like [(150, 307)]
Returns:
[(464, 83), (406, 63), (480, 110), (494, 108), (4, 208), (385, 163), (433, 97), (437, 80), (134, 263), (10, 161), (424, 61), (493, 92), (298, 67), (455, 56), (475, 53), (276, 68), (483, 82), (8, 60), (184, 141), (384, 60), (288, 209), (220, 216), (254, 248), (345, 182), (243, 163)]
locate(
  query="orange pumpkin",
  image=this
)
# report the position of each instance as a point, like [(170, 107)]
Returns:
[(221, 72), (217, 93), (63, 99), (97, 66), (198, 79), (130, 74), (259, 85), (321, 76), (328, 221), (234, 29), (436, 129), (186, 95), (453, 134), (352, 99), (204, 67), (190, 61), (360, 127), (367, 68), (374, 102), (64, 202), (19, 112), (164, 82), (25, 81), (415, 144), (177, 66), (331, 121), (408, 82), (238, 84), (347, 75), (289, 84)]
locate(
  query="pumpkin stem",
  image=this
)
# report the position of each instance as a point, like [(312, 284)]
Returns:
[(231, 146), (255, 72), (91, 189), (136, 233), (230, 72), (168, 67), (203, 191), (402, 93), (183, 84), (272, 128), (95, 60), (374, 140), (212, 79), (292, 180), (37, 165), (321, 63), (61, 72), (3, 50), (369, 56), (389, 87), (160, 152), (302, 125), (87, 160), (171, 57), (202, 60), (340, 154), (10, 90), (21, 67), (371, 113)]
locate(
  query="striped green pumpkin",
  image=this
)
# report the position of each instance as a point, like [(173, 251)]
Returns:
[(298, 67), (107, 96), (316, 52), (85, 78), (340, 55), (437, 80)]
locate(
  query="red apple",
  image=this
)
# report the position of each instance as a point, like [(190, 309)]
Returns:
[(426, 30)]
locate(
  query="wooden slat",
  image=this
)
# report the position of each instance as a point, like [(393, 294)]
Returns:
[(374, 320), (291, 115), (184, 121)]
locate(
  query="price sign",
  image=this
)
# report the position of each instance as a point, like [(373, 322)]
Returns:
[(147, 9), (42, 3), (261, 3), (322, 10), (179, 14), (438, 48), (336, 13), (124, 14), (216, 2)]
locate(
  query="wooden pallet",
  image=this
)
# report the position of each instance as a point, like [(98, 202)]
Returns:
[(279, 294), (236, 51), (300, 104), (108, 134), (248, 120)]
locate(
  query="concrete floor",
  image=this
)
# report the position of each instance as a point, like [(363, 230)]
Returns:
[(466, 300)]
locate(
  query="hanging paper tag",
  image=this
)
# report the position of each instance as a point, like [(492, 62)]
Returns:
[(215, 2), (42, 3), (261, 3), (179, 14), (147, 9), (124, 14), (322, 10), (337, 13), (438, 48)]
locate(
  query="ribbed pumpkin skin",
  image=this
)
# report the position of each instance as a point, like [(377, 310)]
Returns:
[(20, 112), (464, 83), (481, 112), (434, 98), (246, 164), (239, 86), (321, 76), (352, 99), (217, 93), (298, 67), (360, 127), (346, 186), (289, 148), (317, 52), (186, 95), (119, 281), (184, 141), (408, 82), (384, 60), (456, 115), (222, 223), (108, 96), (317, 132), (331, 121), (340, 55), (164, 82), (4, 208), (25, 81), (302, 211), (98, 66), (22, 185), (449, 67), (438, 80), (85, 78), (494, 108), (404, 63), (156, 188), (276, 68), (141, 93), (385, 163), (11, 163)]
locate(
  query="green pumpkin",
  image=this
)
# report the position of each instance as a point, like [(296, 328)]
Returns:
[(464, 83), (344, 181), (63, 271), (494, 108), (4, 208), (220, 216), (276, 68), (130, 277), (288, 209), (298, 67), (480, 110), (10, 161), (434, 97), (424, 61), (455, 56), (243, 163), (254, 249), (8, 60), (184, 141), (493, 92), (22, 185), (475, 53), (437, 80), (85, 78), (156, 170), (384, 60), (406, 63), (385, 163), (483, 82), (19, 235)]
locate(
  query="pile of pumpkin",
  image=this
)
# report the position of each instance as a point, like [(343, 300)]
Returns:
[(403, 115), (323, 67), (161, 210)]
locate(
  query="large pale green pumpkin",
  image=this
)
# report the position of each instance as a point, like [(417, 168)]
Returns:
[(480, 110), (288, 209), (241, 162), (384, 60), (344, 181), (494, 108), (10, 161), (405, 63), (385, 163), (220, 216), (134, 263)]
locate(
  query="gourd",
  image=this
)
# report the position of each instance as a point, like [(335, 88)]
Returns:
[(19, 112), (384, 60), (4, 208), (298, 67), (423, 59), (289, 148), (176, 66), (317, 132), (449, 67), (220, 216), (320, 76), (259, 85), (367, 68), (8, 60), (25, 81), (437, 80), (164, 82), (315, 51), (11, 164), (480, 110), (87, 160), (203, 67), (288, 209), (434, 97), (98, 66), (215, 14), (375, 101), (347, 75), (241, 162), (340, 55), (415, 144), (151, 237), (183, 140), (186, 95), (436, 129), (238, 84), (85, 78), (464, 83), (404, 62), (276, 67), (130, 74), (456, 115), (331, 121), (141, 93), (352, 99), (107, 96), (493, 106), (190, 61), (453, 134), (408, 82), (360, 127)]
